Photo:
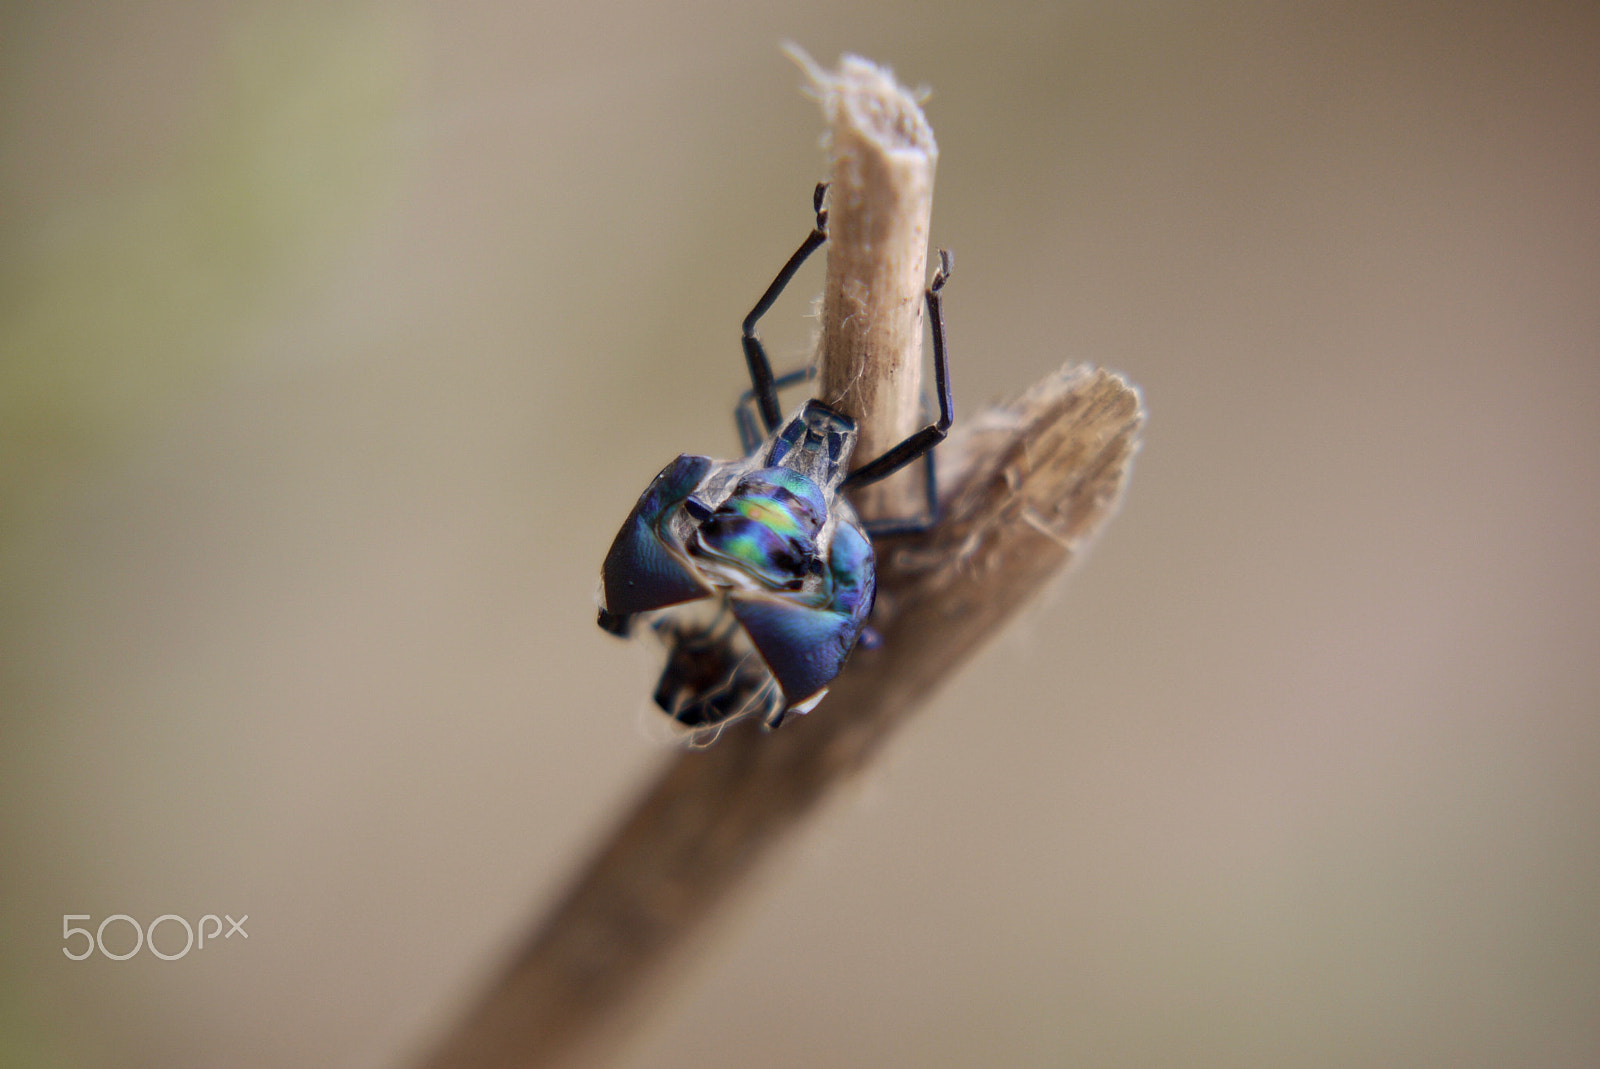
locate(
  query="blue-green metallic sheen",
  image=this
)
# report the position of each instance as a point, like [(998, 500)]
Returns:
[(772, 540)]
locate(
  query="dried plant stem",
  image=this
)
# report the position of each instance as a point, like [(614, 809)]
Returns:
[(1025, 487), (880, 200)]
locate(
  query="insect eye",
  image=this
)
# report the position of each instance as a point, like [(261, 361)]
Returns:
[(697, 509)]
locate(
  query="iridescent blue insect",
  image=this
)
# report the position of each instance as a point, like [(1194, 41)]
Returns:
[(756, 573)]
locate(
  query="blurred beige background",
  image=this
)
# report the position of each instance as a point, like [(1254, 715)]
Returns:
[(335, 342)]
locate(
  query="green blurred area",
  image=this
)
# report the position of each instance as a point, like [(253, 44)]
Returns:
[(128, 290), (119, 299)]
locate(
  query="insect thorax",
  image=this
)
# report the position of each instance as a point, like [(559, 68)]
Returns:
[(771, 528)]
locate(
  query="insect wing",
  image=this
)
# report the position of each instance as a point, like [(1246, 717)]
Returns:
[(647, 567), (805, 641)]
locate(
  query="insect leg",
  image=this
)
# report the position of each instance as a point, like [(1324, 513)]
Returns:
[(744, 413), (920, 443), (762, 384)]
